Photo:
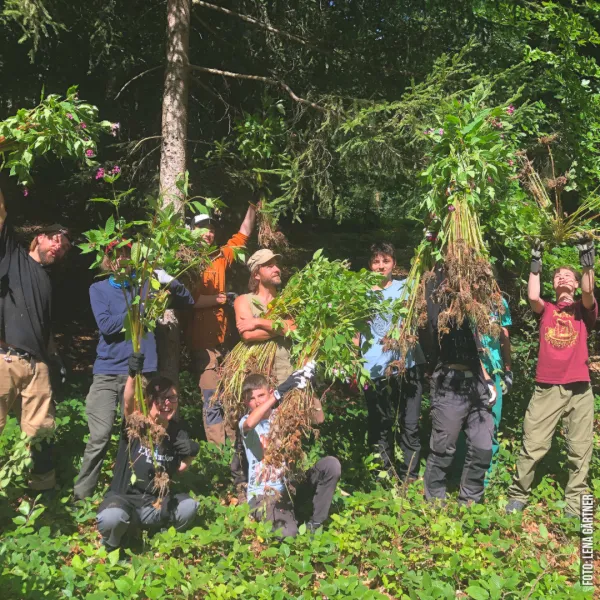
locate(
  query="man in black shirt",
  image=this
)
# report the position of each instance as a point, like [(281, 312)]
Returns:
[(462, 394), (133, 498), (25, 314)]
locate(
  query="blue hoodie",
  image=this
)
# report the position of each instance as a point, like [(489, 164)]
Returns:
[(110, 310)]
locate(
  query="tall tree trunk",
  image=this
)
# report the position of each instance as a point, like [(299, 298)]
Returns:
[(173, 155)]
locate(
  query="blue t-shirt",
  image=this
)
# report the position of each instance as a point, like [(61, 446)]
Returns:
[(376, 359), (262, 480), (492, 351)]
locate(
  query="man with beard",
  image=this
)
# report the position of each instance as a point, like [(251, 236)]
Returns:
[(265, 279), (25, 317)]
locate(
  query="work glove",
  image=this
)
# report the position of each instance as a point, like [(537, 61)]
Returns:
[(163, 277), (298, 380), (136, 363), (585, 244), (508, 381), (536, 256), (492, 392)]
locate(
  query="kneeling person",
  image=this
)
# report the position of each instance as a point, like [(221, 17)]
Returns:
[(268, 494), (132, 500)]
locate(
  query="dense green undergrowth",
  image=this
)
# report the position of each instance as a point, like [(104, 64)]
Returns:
[(382, 541)]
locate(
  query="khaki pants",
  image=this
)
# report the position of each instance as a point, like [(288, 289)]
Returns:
[(573, 402), (25, 386), (206, 364)]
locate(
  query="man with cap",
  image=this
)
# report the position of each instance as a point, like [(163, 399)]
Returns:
[(265, 279), (25, 337), (209, 322), (109, 299)]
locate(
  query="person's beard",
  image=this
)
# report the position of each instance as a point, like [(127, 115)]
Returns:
[(46, 257)]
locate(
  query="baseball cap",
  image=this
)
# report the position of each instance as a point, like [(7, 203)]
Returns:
[(260, 257), (203, 221), (55, 229)]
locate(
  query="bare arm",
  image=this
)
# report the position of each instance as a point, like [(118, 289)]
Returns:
[(258, 414), (248, 222), (505, 348), (317, 415), (587, 288), (533, 293), (253, 329), (129, 396)]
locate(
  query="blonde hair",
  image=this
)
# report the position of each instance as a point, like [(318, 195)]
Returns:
[(253, 283)]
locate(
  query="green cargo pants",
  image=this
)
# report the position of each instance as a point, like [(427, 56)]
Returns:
[(574, 402)]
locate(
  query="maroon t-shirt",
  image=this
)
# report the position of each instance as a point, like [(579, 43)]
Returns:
[(564, 329)]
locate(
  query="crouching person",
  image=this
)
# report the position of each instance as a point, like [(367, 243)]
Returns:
[(132, 501), (268, 494)]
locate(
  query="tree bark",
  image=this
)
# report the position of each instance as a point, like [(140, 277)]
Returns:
[(173, 156)]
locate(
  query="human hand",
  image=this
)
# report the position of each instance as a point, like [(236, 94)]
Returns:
[(163, 277), (584, 242), (221, 298), (288, 325), (492, 391), (536, 256), (245, 325), (508, 380)]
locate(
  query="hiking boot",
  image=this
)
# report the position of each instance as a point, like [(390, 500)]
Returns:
[(312, 527), (515, 506)]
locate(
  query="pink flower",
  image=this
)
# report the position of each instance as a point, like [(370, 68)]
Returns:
[(69, 116), (441, 131), (490, 179), (115, 170), (89, 153), (329, 305), (511, 162), (83, 125), (25, 192), (100, 173), (451, 208), (366, 387), (510, 110), (115, 128)]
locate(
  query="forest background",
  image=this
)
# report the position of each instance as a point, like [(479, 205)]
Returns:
[(319, 109)]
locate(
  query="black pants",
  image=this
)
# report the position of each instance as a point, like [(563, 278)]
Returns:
[(394, 408), (459, 401), (322, 478), (239, 462)]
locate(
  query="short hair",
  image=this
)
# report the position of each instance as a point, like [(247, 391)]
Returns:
[(255, 381), (382, 248), (157, 389), (567, 268), (253, 282)]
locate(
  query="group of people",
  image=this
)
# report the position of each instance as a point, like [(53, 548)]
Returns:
[(468, 375)]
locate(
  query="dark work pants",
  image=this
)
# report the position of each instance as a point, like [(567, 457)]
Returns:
[(323, 478), (459, 402), (239, 463), (394, 408)]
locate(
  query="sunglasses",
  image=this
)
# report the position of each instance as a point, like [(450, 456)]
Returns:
[(169, 399)]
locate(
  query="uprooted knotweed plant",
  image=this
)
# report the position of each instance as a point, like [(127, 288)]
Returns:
[(471, 167), (65, 127), (154, 243)]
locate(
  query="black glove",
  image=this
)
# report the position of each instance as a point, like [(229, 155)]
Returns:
[(136, 363), (585, 244), (298, 380), (536, 256), (508, 381)]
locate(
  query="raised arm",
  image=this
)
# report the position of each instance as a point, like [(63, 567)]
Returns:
[(534, 285), (136, 366), (248, 222), (587, 255), (259, 413)]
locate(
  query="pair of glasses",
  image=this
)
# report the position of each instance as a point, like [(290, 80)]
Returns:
[(170, 400)]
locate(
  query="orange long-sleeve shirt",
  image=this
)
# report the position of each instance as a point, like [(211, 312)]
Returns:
[(209, 325)]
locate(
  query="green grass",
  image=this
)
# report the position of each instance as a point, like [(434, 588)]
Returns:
[(382, 541)]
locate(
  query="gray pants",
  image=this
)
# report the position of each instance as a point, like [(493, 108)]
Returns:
[(459, 401), (323, 477), (105, 395), (114, 521)]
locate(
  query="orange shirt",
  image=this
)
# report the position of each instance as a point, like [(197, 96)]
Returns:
[(209, 325)]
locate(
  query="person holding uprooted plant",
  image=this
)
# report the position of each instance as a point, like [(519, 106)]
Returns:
[(151, 451), (268, 492), (264, 283), (462, 394), (563, 388), (109, 299), (395, 400)]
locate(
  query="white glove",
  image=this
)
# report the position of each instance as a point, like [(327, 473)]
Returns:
[(163, 277), (298, 380), (493, 393)]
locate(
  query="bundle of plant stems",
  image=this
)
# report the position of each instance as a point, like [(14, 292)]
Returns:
[(65, 127), (329, 305), (156, 243), (557, 227)]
